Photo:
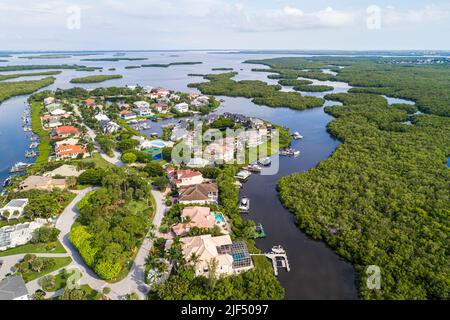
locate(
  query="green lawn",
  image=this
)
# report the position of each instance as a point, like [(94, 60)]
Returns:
[(91, 294), (97, 160), (44, 147), (59, 263), (53, 247), (61, 280)]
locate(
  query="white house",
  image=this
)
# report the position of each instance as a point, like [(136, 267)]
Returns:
[(182, 107), (101, 117), (15, 207), (141, 104), (19, 234), (13, 288)]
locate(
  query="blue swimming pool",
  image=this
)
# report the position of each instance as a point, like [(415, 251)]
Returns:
[(219, 218)]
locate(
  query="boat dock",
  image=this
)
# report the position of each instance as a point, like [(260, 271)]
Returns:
[(277, 255)]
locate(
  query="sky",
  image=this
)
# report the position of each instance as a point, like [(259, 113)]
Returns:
[(224, 24)]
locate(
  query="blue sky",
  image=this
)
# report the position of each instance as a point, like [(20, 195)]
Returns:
[(224, 24)]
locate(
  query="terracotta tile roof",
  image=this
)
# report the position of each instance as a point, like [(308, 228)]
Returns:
[(198, 192), (70, 149), (66, 129)]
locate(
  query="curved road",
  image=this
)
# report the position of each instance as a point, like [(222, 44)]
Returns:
[(135, 280)]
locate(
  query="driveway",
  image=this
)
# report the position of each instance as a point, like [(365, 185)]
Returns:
[(116, 159)]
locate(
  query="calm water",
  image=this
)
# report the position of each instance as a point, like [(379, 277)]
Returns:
[(316, 271)]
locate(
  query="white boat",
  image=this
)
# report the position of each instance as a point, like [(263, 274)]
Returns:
[(278, 250), (297, 136), (243, 175), (254, 168), (34, 145), (244, 205), (19, 167), (265, 161)]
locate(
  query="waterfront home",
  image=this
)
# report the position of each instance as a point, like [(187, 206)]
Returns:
[(158, 93), (194, 217), (161, 108), (42, 183), (182, 107), (14, 209), (64, 171), (66, 142), (231, 257), (52, 122), (19, 234), (143, 111), (201, 101), (184, 178), (141, 104), (192, 96), (71, 152), (13, 288), (65, 132), (221, 151), (205, 193), (53, 106), (60, 113), (49, 100), (127, 115)]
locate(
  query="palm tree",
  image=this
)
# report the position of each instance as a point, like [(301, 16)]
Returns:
[(212, 272), (194, 259)]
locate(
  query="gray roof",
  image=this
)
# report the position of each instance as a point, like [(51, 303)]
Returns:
[(12, 288), (18, 203)]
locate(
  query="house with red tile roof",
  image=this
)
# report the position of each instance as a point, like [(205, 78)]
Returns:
[(89, 102), (64, 132), (70, 152), (184, 178), (191, 217)]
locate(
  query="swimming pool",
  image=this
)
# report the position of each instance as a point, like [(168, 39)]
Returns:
[(219, 218)]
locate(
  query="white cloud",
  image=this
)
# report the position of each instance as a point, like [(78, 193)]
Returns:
[(292, 18), (429, 14)]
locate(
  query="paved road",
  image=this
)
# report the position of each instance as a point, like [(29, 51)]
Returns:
[(134, 282), (116, 159), (10, 261)]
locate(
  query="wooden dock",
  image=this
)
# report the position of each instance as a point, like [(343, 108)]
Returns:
[(275, 257)]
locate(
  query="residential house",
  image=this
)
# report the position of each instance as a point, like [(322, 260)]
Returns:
[(65, 132), (19, 234), (193, 96), (67, 142), (49, 100), (70, 152), (101, 117), (141, 104), (194, 217), (184, 178), (42, 183), (205, 193), (52, 107), (182, 107), (13, 288), (143, 111), (127, 115), (109, 126), (15, 208), (161, 108), (231, 258), (174, 97), (201, 101), (89, 102), (221, 151)]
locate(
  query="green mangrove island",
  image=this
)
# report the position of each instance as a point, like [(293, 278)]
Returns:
[(96, 79)]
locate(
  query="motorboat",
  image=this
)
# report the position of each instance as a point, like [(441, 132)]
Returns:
[(278, 250), (265, 161), (297, 136), (254, 168), (7, 182), (34, 145), (244, 205), (19, 167), (290, 152), (30, 154)]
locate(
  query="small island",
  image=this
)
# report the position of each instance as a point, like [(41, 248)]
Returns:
[(162, 65), (96, 79)]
